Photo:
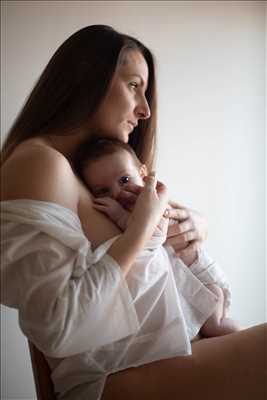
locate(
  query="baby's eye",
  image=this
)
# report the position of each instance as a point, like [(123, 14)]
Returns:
[(101, 192), (124, 180)]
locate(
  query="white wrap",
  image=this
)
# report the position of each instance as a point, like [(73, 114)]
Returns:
[(77, 308)]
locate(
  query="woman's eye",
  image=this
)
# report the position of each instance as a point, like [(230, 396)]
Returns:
[(124, 180), (134, 84)]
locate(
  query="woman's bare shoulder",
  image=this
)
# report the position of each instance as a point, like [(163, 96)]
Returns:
[(37, 171)]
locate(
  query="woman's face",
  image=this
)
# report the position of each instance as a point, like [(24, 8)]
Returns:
[(125, 103)]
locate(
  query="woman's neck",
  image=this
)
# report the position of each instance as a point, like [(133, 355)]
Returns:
[(66, 145)]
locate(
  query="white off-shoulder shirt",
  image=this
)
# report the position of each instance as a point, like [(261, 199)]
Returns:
[(75, 305)]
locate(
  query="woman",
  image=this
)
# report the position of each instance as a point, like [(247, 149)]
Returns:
[(68, 296)]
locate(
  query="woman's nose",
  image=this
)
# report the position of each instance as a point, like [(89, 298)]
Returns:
[(143, 110)]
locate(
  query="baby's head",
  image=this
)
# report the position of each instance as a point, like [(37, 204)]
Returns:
[(107, 165)]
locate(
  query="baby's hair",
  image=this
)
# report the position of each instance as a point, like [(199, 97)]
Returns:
[(97, 148)]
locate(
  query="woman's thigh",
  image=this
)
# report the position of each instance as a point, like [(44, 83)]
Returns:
[(231, 367)]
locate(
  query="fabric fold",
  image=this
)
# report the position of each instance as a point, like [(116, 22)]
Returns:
[(58, 283), (75, 305)]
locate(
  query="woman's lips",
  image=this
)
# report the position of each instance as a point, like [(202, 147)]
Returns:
[(133, 124)]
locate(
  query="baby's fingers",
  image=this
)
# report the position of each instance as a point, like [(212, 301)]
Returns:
[(107, 201), (100, 207), (132, 188)]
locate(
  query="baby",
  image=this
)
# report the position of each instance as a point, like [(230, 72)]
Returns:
[(107, 166)]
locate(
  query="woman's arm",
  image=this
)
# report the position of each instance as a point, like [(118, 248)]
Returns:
[(147, 212), (41, 173), (54, 279), (185, 235)]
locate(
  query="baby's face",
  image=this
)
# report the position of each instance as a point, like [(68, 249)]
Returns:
[(109, 174)]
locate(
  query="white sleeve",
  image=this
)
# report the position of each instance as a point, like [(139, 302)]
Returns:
[(208, 271), (68, 301)]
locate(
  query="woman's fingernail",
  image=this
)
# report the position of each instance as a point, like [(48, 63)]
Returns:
[(166, 213)]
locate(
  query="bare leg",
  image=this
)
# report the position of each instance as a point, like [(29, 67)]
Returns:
[(232, 367)]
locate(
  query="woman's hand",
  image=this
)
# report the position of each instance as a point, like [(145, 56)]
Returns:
[(187, 235), (150, 204), (148, 210)]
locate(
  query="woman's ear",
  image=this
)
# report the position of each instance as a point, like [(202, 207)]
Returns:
[(143, 171)]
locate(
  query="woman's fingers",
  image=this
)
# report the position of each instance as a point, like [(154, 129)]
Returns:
[(186, 225), (150, 182), (187, 219), (192, 246), (180, 214), (187, 230), (157, 189), (158, 186), (186, 248), (174, 204), (161, 188), (181, 238), (178, 228)]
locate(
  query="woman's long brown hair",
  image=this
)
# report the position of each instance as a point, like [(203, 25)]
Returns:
[(74, 83)]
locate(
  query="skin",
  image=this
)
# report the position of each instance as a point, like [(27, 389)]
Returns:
[(104, 181), (230, 367), (117, 120), (125, 103), (106, 177)]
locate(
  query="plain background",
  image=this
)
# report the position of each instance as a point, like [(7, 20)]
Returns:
[(211, 149)]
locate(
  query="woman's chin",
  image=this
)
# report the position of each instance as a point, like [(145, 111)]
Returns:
[(123, 137)]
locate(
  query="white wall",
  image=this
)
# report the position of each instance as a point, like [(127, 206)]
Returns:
[(211, 81)]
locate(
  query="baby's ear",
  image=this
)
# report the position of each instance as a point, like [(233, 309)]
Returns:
[(143, 171)]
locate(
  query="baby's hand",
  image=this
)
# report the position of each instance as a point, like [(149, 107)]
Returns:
[(113, 210), (128, 195)]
